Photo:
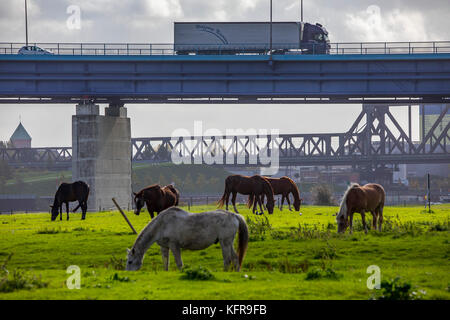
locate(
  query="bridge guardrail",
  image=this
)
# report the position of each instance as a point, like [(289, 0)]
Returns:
[(140, 49)]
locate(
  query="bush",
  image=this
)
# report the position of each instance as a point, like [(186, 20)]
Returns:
[(116, 263), (322, 195), (398, 290), (18, 279), (317, 273), (258, 227), (198, 273)]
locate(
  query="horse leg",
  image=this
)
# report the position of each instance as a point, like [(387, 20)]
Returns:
[(165, 257), (234, 258), (254, 203), (262, 200), (177, 255), (60, 211), (260, 206), (233, 200), (282, 202), (83, 210), (78, 206), (226, 199), (67, 210), (351, 223), (289, 202), (363, 217), (226, 253), (380, 218), (374, 219)]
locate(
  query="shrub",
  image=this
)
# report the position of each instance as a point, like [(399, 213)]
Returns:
[(322, 195), (317, 273), (116, 277), (197, 273), (116, 263), (258, 227), (18, 279), (397, 290)]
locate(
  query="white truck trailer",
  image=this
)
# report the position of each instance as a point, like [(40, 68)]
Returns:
[(249, 37)]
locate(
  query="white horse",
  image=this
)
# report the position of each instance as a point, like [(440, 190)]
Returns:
[(176, 229)]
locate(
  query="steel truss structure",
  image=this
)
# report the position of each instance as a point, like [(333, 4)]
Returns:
[(375, 139)]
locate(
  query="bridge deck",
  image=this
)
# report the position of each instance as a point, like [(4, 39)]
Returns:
[(377, 78)]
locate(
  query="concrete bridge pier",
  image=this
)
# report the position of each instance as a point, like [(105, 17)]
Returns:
[(101, 154)]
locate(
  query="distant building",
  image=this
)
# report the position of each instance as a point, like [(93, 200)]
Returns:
[(20, 138), (428, 117)]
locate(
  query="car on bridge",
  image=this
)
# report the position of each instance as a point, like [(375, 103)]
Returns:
[(33, 50)]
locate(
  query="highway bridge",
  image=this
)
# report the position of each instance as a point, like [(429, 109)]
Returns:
[(375, 75)]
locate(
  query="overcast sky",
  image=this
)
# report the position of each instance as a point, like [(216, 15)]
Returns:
[(151, 21)]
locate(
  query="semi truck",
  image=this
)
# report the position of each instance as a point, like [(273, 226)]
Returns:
[(250, 37)]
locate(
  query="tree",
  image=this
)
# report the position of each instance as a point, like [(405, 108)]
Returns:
[(322, 195), (6, 172)]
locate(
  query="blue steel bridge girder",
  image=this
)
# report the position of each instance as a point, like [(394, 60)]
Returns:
[(393, 79)]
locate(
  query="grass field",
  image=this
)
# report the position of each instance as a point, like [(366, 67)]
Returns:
[(289, 257)]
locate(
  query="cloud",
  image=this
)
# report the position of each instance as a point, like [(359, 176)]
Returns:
[(373, 24)]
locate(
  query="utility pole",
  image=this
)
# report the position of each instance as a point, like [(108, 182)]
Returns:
[(301, 10), (270, 46), (429, 193), (26, 23)]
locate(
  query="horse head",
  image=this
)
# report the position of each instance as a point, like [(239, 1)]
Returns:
[(133, 261), (270, 205), (297, 204), (55, 212), (138, 202), (342, 223)]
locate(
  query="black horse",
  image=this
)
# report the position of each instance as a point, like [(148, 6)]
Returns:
[(69, 192)]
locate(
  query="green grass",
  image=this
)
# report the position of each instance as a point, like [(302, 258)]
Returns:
[(289, 257)]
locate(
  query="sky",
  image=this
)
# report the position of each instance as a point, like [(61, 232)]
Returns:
[(151, 21)]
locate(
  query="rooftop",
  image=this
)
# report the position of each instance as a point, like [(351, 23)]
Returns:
[(20, 133)]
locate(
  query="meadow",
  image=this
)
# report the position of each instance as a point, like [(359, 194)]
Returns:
[(290, 256)]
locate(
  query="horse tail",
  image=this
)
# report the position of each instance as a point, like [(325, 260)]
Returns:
[(251, 199), (343, 205), (221, 202), (242, 239), (175, 192)]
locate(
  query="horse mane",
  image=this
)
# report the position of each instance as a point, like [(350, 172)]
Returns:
[(268, 189), (343, 205), (148, 188), (294, 190), (143, 240)]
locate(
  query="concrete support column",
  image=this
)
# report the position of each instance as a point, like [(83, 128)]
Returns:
[(102, 154)]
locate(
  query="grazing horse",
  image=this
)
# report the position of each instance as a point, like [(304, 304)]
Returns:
[(254, 186), (176, 229), (156, 198), (369, 197), (285, 186), (69, 192)]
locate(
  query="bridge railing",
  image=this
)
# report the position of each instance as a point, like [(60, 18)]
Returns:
[(140, 49)]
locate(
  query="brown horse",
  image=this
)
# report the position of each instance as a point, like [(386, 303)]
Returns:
[(285, 186), (156, 198), (69, 192), (253, 186), (369, 197)]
